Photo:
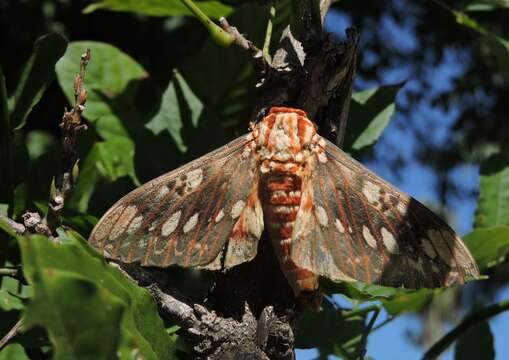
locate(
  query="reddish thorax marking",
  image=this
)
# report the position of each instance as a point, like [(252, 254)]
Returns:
[(287, 146)]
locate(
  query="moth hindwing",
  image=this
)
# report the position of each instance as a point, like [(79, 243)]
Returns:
[(325, 213)]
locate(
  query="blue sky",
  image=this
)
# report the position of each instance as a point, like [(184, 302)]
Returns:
[(391, 341)]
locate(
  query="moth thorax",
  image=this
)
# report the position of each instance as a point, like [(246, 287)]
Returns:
[(284, 136)]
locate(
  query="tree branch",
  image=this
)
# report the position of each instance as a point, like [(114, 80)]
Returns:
[(468, 322), (16, 329), (15, 226), (256, 54), (12, 272)]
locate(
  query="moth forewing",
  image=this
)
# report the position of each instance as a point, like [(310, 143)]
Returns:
[(377, 234), (184, 217)]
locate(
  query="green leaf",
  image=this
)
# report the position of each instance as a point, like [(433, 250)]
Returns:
[(487, 5), (496, 44), (476, 343), (493, 203), (331, 331), (110, 73), (37, 75), (6, 162), (111, 80), (394, 300), (115, 158), (214, 9), (489, 246), (97, 296), (370, 113), (38, 143), (226, 85), (13, 352), (9, 301), (178, 105)]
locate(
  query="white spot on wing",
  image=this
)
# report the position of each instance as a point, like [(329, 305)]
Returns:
[(135, 224), (402, 208), (191, 223), (254, 220), (219, 216), (368, 237), (194, 178), (371, 191), (322, 157), (170, 225), (389, 241), (339, 226), (321, 215), (162, 192), (237, 209)]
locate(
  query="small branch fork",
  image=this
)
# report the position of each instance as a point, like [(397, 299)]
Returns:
[(215, 337), (257, 56)]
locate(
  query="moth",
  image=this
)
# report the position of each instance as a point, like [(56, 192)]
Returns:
[(325, 213)]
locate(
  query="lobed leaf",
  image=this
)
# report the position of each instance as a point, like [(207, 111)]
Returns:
[(370, 113), (489, 246), (493, 203), (97, 296), (394, 300), (178, 105), (9, 302), (331, 331), (110, 73), (13, 352), (111, 80), (213, 9), (496, 44)]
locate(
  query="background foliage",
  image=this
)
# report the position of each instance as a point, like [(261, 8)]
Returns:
[(161, 92)]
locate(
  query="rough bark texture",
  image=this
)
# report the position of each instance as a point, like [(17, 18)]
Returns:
[(251, 312)]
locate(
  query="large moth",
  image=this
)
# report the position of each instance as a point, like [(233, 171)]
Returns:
[(326, 215)]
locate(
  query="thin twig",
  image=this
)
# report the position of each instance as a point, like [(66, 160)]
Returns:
[(361, 349), (70, 125), (9, 272), (175, 310), (16, 329), (468, 322), (268, 34), (256, 54), (219, 35), (15, 226), (383, 323)]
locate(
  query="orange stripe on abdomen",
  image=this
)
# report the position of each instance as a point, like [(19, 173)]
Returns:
[(281, 203)]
